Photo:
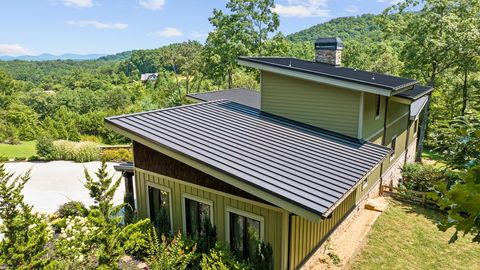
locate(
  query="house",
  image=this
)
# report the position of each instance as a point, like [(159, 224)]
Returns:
[(288, 164), (149, 77)]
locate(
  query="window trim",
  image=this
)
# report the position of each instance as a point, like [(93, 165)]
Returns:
[(162, 188), (415, 127), (392, 156), (184, 210), (365, 184), (246, 214)]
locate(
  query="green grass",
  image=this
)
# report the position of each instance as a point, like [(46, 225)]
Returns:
[(406, 237), (435, 158), (23, 150)]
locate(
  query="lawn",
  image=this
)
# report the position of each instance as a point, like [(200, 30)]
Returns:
[(406, 237), (23, 150)]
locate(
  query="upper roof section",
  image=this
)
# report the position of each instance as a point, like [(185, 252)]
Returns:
[(357, 79), (243, 96), (330, 43), (416, 92), (290, 164)]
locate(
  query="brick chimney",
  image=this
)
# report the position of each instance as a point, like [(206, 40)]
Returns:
[(329, 51)]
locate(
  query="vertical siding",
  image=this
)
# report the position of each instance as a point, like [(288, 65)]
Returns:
[(372, 180), (273, 221), (325, 106), (371, 125), (306, 236)]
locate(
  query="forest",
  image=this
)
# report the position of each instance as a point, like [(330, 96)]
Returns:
[(437, 45)]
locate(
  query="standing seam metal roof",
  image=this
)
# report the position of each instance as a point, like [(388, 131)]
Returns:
[(379, 80), (305, 165)]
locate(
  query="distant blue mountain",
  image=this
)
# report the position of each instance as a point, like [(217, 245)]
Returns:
[(48, 57)]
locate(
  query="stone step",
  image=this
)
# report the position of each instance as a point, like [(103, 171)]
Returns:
[(376, 205)]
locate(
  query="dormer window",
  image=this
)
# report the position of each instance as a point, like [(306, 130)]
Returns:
[(377, 108)]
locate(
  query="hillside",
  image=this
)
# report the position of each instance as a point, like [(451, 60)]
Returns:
[(51, 57), (359, 27)]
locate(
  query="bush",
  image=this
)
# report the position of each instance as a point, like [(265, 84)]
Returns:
[(424, 177), (4, 159), (221, 258), (168, 254), (117, 155), (76, 151), (72, 209), (90, 138), (45, 148)]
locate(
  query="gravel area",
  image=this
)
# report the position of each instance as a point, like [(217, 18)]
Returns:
[(57, 182)]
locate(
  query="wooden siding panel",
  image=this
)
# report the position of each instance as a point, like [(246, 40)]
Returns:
[(320, 105), (306, 236), (272, 218)]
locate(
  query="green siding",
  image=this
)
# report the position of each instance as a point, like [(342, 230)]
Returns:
[(324, 106), (372, 180), (371, 124), (306, 236), (273, 221)]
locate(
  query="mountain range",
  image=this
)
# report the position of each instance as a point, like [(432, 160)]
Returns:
[(47, 57)]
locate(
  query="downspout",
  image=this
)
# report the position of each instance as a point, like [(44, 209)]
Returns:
[(408, 134), (383, 143)]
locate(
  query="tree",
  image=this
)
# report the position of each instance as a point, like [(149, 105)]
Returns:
[(258, 20), (24, 234), (104, 215), (242, 31), (461, 202), (431, 37)]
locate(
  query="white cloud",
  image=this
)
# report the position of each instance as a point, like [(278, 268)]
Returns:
[(169, 32), (13, 50), (78, 3), (303, 8), (352, 9), (153, 4), (98, 25), (199, 35)]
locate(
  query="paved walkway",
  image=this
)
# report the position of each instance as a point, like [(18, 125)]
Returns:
[(57, 182)]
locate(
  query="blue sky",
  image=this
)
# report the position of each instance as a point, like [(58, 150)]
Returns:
[(111, 26)]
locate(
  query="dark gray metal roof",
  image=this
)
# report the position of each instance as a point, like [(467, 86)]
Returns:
[(417, 106), (308, 166), (239, 95), (379, 80), (416, 92)]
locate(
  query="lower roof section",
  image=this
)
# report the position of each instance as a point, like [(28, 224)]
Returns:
[(290, 164)]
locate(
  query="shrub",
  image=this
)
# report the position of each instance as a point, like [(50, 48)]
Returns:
[(221, 258), (72, 209), (90, 138), (76, 151), (4, 159), (117, 155), (171, 254), (424, 177), (135, 239), (45, 148), (264, 257)]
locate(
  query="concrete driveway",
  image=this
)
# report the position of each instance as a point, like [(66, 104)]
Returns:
[(57, 182)]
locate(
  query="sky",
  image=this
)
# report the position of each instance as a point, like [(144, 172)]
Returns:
[(32, 27)]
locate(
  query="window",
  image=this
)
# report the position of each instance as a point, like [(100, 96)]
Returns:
[(245, 230), (196, 213), (159, 208), (392, 146), (377, 108)]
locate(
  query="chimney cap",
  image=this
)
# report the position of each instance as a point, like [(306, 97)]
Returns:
[(329, 43)]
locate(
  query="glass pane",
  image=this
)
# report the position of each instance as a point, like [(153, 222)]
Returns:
[(159, 209), (237, 235), (192, 217), (253, 234), (204, 217)]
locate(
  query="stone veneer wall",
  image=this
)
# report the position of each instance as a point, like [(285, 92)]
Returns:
[(332, 57), (392, 176)]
